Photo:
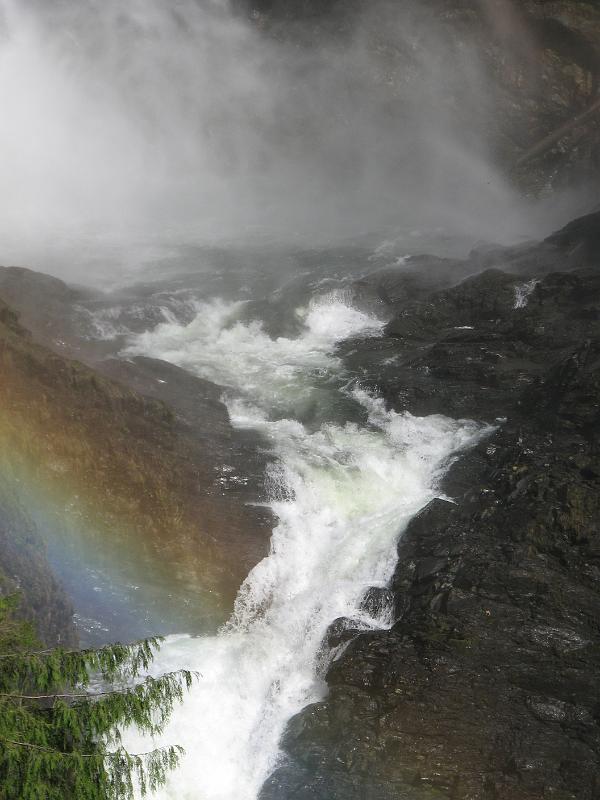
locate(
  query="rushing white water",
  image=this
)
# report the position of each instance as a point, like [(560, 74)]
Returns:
[(523, 292), (341, 493)]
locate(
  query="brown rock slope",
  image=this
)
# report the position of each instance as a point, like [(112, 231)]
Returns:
[(125, 464)]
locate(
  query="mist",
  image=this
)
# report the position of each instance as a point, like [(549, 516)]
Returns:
[(133, 122)]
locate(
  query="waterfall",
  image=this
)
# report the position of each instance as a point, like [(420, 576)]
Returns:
[(342, 494)]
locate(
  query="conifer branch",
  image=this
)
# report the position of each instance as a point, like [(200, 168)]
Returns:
[(31, 746), (154, 642), (59, 740), (167, 676)]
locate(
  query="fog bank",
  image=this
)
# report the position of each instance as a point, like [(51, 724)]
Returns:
[(137, 121)]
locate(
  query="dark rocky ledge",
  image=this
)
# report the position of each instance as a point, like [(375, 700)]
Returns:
[(487, 686)]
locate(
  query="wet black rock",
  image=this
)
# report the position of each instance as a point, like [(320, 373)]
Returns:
[(487, 685), (377, 601), (580, 240), (464, 350)]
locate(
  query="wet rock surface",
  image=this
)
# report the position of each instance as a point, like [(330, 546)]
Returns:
[(24, 569), (136, 452), (540, 60), (487, 684)]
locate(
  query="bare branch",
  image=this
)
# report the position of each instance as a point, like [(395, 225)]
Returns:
[(551, 139)]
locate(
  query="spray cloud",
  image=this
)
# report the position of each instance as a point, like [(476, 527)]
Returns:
[(124, 116)]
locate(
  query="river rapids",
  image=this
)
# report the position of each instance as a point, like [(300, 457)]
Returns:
[(342, 493)]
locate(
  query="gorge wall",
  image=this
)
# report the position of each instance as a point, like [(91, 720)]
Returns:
[(486, 684), (540, 61), (92, 459)]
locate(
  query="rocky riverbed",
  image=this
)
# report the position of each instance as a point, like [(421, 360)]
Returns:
[(486, 685), (140, 496)]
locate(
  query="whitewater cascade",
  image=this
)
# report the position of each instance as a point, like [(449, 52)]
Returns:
[(342, 493)]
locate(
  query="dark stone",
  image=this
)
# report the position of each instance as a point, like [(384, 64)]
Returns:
[(340, 632), (377, 601), (487, 685)]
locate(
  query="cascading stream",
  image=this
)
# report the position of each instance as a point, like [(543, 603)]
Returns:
[(342, 493)]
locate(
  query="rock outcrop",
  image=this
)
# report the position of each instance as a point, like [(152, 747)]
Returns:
[(24, 570), (117, 463), (539, 60), (487, 684)]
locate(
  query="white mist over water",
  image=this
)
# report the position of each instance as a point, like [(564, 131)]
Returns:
[(342, 495), (138, 123)]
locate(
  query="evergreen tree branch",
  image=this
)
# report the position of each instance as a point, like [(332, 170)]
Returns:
[(154, 642), (59, 740), (119, 752), (183, 674)]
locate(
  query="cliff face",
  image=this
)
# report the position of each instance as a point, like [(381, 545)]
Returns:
[(539, 110), (110, 465), (24, 569), (486, 686)]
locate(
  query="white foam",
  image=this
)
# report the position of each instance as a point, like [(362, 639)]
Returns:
[(342, 495), (523, 292), (272, 373)]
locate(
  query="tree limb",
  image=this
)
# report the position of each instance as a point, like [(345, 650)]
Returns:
[(547, 142)]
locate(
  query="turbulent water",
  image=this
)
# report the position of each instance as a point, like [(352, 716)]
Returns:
[(342, 493)]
